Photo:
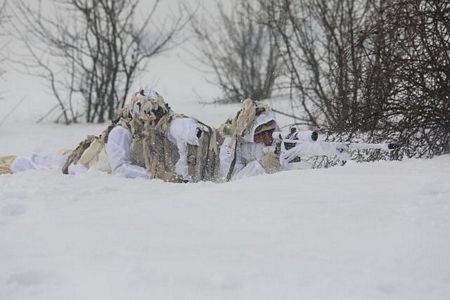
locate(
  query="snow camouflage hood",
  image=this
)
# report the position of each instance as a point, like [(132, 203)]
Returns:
[(251, 116), (263, 122), (145, 107)]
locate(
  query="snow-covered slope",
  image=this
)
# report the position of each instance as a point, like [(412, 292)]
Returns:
[(363, 231)]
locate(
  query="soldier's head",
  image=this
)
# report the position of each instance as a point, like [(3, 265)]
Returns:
[(263, 133), (148, 106)]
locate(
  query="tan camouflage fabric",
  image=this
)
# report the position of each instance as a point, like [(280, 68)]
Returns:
[(135, 116), (270, 162), (203, 159), (5, 164), (244, 120), (242, 123), (151, 149), (157, 152)]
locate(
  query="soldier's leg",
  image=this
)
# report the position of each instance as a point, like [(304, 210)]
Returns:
[(37, 162)]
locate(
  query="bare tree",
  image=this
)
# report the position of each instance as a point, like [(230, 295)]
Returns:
[(377, 66), (318, 42), (3, 18), (240, 51), (414, 65), (93, 50)]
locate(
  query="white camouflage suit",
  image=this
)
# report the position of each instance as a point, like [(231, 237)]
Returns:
[(251, 158), (182, 131)]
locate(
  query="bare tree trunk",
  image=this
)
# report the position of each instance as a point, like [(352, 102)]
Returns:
[(413, 58), (240, 50), (3, 19), (317, 43), (100, 47)]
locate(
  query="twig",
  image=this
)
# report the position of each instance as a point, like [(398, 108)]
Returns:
[(286, 114), (12, 110), (47, 114)]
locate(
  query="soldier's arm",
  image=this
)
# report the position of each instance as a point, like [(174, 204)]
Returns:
[(118, 150)]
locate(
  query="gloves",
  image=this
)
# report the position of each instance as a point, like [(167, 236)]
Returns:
[(270, 162)]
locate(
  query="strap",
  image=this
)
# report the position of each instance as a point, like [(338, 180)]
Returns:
[(233, 162)]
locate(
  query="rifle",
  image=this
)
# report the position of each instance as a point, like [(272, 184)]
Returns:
[(294, 144)]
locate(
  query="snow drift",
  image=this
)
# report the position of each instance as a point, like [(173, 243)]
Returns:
[(362, 231)]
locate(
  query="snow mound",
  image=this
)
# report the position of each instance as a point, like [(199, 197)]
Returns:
[(362, 231)]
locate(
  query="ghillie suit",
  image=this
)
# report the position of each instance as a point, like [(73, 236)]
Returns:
[(149, 119), (239, 133), (203, 159), (5, 164), (140, 116), (162, 153), (168, 158), (241, 124)]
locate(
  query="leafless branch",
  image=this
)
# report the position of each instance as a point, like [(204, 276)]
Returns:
[(93, 50), (239, 50)]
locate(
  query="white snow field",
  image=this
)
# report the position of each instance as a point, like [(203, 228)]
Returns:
[(363, 231)]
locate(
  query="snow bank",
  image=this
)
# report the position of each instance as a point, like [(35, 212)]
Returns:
[(363, 231)]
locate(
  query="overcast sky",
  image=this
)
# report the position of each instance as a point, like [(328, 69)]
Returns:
[(175, 74)]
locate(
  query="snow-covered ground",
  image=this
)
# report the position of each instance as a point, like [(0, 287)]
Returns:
[(364, 231)]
